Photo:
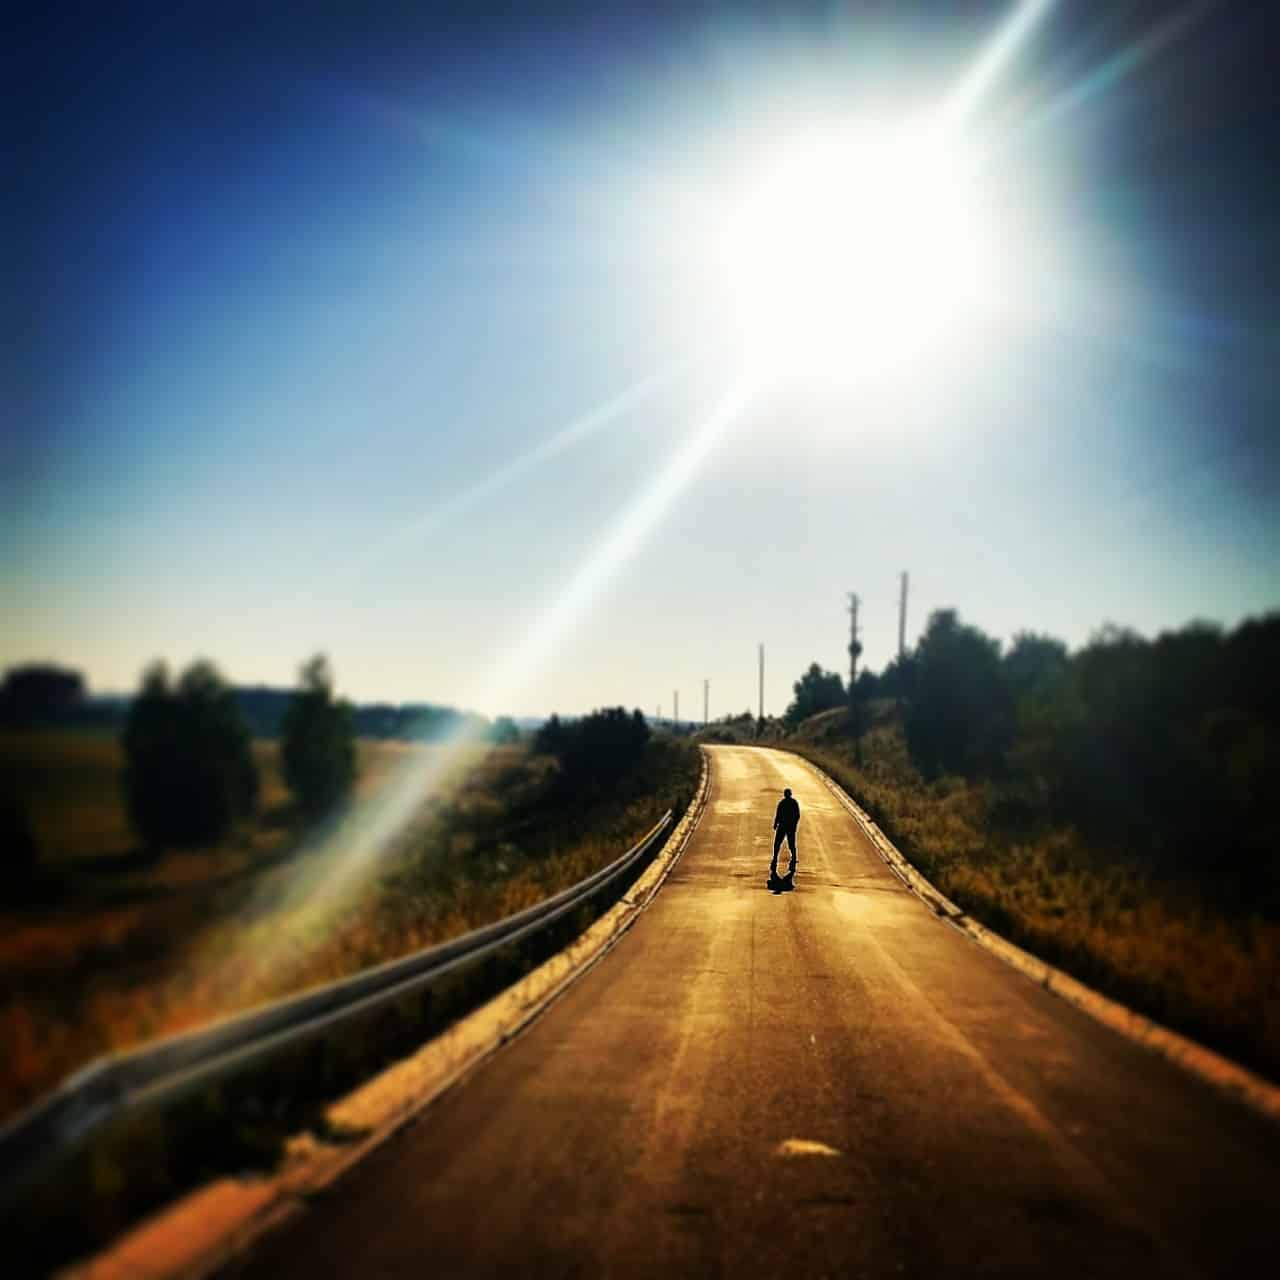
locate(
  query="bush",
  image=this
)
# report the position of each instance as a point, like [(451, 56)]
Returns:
[(189, 770), (815, 691), (597, 750), (961, 718), (39, 693), (318, 742), (19, 852)]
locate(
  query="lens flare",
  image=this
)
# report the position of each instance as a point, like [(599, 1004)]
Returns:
[(576, 432), (892, 245), (990, 64), (341, 862), (620, 544)]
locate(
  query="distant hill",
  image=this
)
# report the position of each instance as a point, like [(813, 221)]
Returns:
[(263, 709), (42, 695)]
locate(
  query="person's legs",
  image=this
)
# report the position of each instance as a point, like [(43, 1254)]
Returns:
[(791, 842), (778, 834)]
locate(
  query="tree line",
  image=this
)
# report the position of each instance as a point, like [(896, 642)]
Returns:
[(595, 751), (1168, 747), (44, 695), (190, 773)]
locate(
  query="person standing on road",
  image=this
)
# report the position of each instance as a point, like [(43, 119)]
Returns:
[(785, 821)]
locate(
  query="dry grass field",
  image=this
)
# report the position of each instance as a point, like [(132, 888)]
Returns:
[(110, 946), (1167, 947)]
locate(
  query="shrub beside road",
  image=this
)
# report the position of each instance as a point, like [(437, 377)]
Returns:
[(1203, 963)]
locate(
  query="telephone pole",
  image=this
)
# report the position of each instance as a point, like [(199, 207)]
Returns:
[(902, 617), (762, 682), (706, 701), (854, 647), (675, 707)]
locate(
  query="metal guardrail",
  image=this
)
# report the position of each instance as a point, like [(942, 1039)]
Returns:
[(169, 1068)]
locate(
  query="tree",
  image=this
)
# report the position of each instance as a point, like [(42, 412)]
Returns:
[(598, 750), (1033, 663), (898, 679), (550, 738), (961, 717), (815, 691), (38, 693), (189, 771), (318, 742)]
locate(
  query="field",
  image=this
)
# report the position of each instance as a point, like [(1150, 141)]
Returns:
[(1198, 960), (109, 946)]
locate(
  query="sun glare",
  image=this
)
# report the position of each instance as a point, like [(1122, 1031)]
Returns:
[(852, 256)]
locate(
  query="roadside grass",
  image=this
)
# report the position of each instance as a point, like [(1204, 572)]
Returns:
[(1177, 950), (111, 946)]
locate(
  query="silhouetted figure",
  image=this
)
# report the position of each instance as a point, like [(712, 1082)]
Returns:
[(785, 821)]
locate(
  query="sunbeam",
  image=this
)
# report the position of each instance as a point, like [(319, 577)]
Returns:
[(349, 853), (579, 429), (451, 509), (342, 860), (1118, 67), (626, 537), (989, 65)]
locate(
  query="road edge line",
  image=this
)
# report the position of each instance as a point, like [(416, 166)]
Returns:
[(1221, 1073), (180, 1241)]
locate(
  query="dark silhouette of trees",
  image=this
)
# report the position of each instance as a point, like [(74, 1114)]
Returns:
[(961, 717), (18, 848), (318, 742), (597, 750), (1170, 748), (1033, 663), (40, 693), (1166, 750), (898, 679), (550, 738), (189, 772), (867, 686), (816, 690)]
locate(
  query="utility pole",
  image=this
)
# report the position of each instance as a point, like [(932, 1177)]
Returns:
[(854, 647), (657, 713), (762, 682), (675, 707), (706, 701), (902, 618)]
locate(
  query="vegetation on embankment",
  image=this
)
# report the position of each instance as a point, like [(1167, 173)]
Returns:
[(1111, 809), (1190, 953), (109, 943)]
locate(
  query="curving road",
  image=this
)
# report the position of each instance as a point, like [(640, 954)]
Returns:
[(830, 1082)]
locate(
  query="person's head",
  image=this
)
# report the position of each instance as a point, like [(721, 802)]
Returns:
[(786, 791)]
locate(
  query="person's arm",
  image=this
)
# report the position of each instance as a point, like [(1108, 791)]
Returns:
[(777, 814)]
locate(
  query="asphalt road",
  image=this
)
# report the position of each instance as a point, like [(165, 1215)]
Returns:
[(828, 1082)]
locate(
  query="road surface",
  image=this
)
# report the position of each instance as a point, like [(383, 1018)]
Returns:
[(829, 1082)]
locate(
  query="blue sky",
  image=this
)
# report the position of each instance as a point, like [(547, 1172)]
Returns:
[(297, 286)]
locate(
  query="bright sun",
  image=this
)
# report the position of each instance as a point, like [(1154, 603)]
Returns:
[(853, 258)]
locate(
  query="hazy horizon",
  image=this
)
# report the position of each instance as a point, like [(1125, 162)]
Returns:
[(402, 341)]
